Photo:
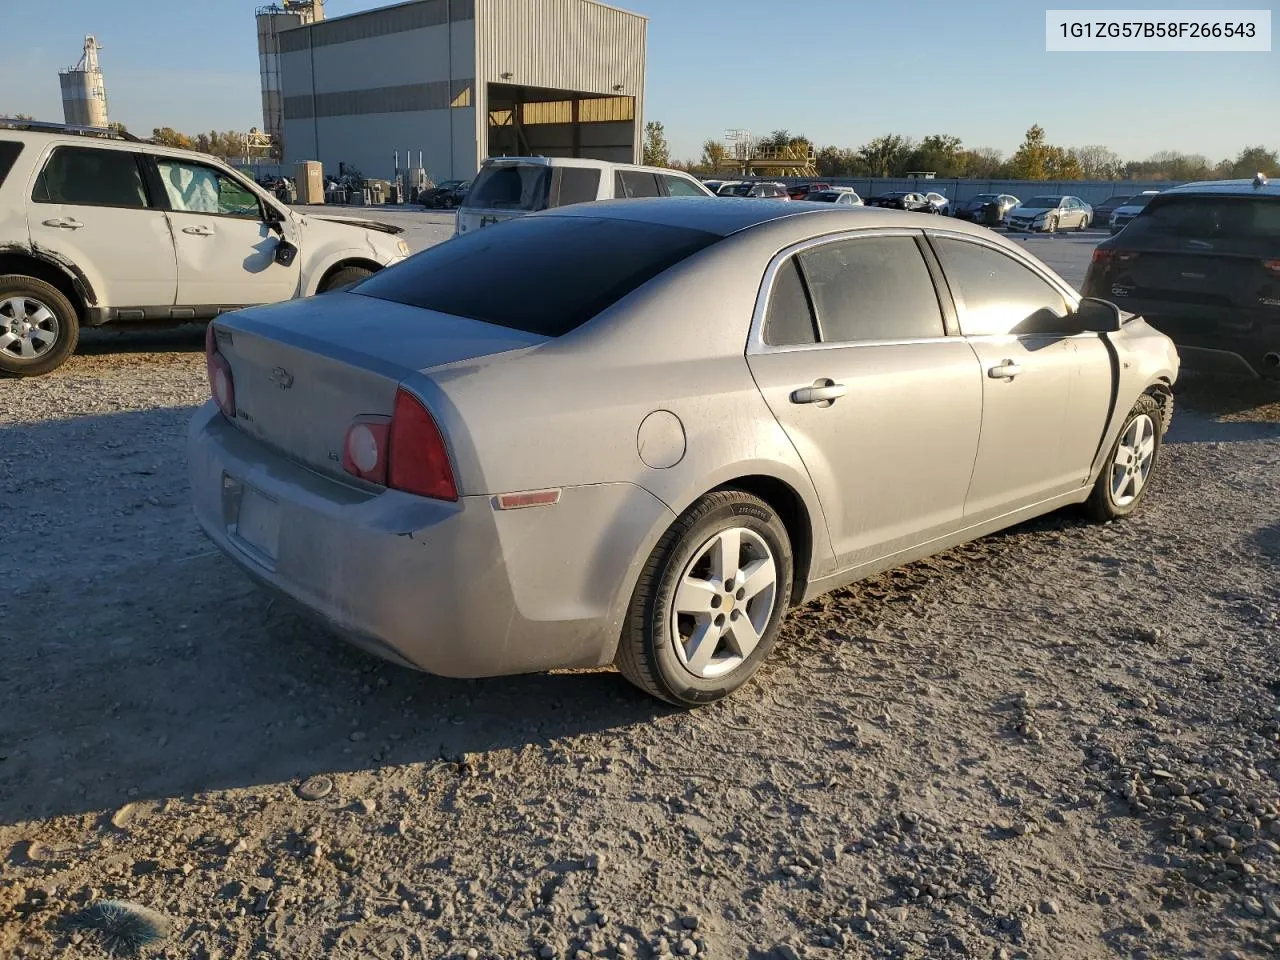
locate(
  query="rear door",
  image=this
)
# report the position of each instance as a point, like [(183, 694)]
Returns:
[(850, 350), (93, 206), (226, 250), (1046, 393), (674, 186), (636, 183)]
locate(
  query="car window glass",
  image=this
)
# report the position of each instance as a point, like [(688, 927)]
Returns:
[(9, 150), (997, 294), (511, 186), (637, 183), (91, 177), (872, 288), (578, 185), (680, 187), (788, 321), (195, 188), (1208, 218), (543, 275)]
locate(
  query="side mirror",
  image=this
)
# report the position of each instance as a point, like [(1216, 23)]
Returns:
[(285, 253), (1097, 316)]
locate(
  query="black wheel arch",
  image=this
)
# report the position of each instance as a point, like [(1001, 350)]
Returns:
[(26, 262), (371, 265)]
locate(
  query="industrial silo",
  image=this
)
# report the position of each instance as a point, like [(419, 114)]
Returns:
[(271, 20), (84, 95)]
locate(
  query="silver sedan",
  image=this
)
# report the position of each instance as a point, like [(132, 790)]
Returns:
[(639, 432)]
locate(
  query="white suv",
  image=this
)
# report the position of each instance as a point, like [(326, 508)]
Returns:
[(508, 187), (97, 228)]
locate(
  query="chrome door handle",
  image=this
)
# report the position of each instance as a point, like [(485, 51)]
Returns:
[(64, 223), (819, 393), (199, 231), (1004, 370)]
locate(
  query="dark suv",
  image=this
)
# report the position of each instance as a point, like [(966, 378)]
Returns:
[(1201, 263)]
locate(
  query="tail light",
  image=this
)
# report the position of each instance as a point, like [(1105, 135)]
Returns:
[(222, 386), (404, 452), (1102, 257), (1272, 267), (418, 461)]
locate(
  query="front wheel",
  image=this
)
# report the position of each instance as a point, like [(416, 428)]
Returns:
[(346, 277), (39, 328), (709, 602), (1051, 225), (1130, 464), (1084, 223)]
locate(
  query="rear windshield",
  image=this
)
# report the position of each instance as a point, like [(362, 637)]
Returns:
[(9, 150), (1237, 218), (1037, 202), (511, 186), (544, 275)]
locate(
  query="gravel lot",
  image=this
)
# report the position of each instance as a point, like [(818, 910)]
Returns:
[(1061, 741)]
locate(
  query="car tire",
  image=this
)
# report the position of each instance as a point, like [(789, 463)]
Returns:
[(1131, 463), (48, 309), (344, 278), (1051, 225), (659, 650), (1084, 224)]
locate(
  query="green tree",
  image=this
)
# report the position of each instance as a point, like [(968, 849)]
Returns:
[(840, 162), (984, 163), (1037, 159), (118, 128), (714, 153), (169, 137), (1254, 160), (656, 151), (887, 156), (940, 153)]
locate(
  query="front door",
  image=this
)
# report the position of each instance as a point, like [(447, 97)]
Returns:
[(1033, 446), (90, 205), (225, 249), (884, 409)]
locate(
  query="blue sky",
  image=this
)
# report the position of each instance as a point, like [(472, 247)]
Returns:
[(838, 71)]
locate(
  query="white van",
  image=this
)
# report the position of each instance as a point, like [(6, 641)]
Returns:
[(509, 187)]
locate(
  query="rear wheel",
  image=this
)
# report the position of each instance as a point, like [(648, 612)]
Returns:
[(39, 328), (344, 278), (709, 602), (1130, 464)]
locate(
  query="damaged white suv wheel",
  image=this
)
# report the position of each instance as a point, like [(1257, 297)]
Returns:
[(38, 327)]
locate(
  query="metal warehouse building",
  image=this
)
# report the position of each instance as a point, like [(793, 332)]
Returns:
[(462, 80)]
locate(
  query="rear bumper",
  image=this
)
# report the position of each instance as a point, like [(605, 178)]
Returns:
[(456, 589), (1215, 339)]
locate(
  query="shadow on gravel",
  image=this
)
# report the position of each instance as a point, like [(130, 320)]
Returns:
[(187, 338), (1268, 541), (137, 664)]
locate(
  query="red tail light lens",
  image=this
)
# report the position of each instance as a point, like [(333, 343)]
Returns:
[(417, 459), (1102, 257), (221, 385), (364, 451), (1272, 267)]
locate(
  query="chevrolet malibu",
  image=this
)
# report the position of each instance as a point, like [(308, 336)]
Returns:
[(638, 432)]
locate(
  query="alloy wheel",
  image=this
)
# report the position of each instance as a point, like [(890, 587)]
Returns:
[(28, 328), (1135, 455), (723, 601)]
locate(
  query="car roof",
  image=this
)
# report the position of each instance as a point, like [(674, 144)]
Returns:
[(582, 162), (728, 215), (1268, 188)]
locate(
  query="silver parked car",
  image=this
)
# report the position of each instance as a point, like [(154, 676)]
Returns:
[(637, 432)]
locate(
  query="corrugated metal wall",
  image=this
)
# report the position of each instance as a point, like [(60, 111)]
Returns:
[(576, 45)]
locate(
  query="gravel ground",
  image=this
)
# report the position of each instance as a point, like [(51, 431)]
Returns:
[(1060, 741)]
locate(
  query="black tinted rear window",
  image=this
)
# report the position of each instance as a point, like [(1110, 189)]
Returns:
[(9, 150), (1207, 218), (545, 275), (511, 186)]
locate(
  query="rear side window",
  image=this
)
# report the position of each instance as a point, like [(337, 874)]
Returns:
[(91, 177), (9, 150), (511, 186), (1207, 218), (872, 288), (576, 185), (789, 321), (544, 275), (636, 183), (997, 294), (680, 187)]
